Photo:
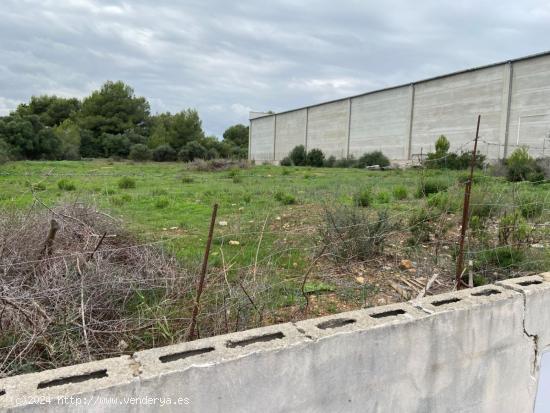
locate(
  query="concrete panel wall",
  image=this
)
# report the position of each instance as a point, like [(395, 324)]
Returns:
[(262, 131), (328, 128), (476, 350), (449, 106), (513, 99), (530, 105), (291, 132), (380, 121)]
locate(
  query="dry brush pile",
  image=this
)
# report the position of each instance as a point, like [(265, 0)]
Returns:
[(75, 287)]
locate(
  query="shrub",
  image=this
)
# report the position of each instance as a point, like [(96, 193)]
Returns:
[(371, 159), (512, 229), (298, 155), (286, 161), (191, 151), (442, 144), (285, 172), (39, 186), (162, 202), (4, 152), (164, 153), (400, 192), (383, 197), (66, 185), (140, 153), (351, 234), (330, 161), (215, 165), (503, 257), (530, 205), (315, 157), (237, 179), (363, 198), (126, 183), (187, 179), (431, 186), (420, 225), (285, 199), (521, 166)]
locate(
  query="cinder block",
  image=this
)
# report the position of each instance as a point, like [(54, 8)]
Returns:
[(218, 349), (78, 380), (536, 290)]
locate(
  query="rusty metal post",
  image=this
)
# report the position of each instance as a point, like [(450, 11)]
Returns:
[(200, 287), (465, 213)]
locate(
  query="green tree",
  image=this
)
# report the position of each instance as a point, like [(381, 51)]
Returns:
[(114, 109), (28, 137), (186, 127), (237, 135), (442, 145), (68, 134), (51, 110)]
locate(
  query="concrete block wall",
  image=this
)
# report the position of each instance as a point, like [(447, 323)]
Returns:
[(475, 350), (513, 98), (380, 121)]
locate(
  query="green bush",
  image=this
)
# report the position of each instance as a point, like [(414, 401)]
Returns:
[(66, 185), (420, 225), (286, 161), (429, 186), (512, 229), (363, 198), (39, 186), (140, 153), (442, 201), (530, 205), (502, 257), (191, 151), (442, 159), (126, 183), (162, 202), (298, 155), (383, 197), (284, 198), (285, 172), (330, 161), (187, 179), (164, 153), (371, 159), (522, 167), (352, 234), (5, 153), (315, 157), (400, 192)]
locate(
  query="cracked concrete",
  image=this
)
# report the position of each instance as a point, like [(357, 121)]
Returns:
[(468, 351)]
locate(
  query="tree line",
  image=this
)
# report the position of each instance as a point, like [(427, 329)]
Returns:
[(111, 123)]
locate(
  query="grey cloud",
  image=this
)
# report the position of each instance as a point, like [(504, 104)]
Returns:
[(227, 58)]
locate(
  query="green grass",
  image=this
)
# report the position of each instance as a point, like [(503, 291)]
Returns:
[(165, 200)]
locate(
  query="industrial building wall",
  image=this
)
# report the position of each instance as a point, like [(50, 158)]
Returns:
[(530, 105), (290, 132), (512, 97), (449, 106), (327, 128), (380, 121), (262, 132)]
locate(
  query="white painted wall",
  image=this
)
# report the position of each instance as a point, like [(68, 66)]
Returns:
[(380, 121), (291, 131), (531, 104), (262, 131), (328, 128), (448, 105)]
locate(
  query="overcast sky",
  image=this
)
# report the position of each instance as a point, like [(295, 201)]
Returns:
[(226, 58)]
